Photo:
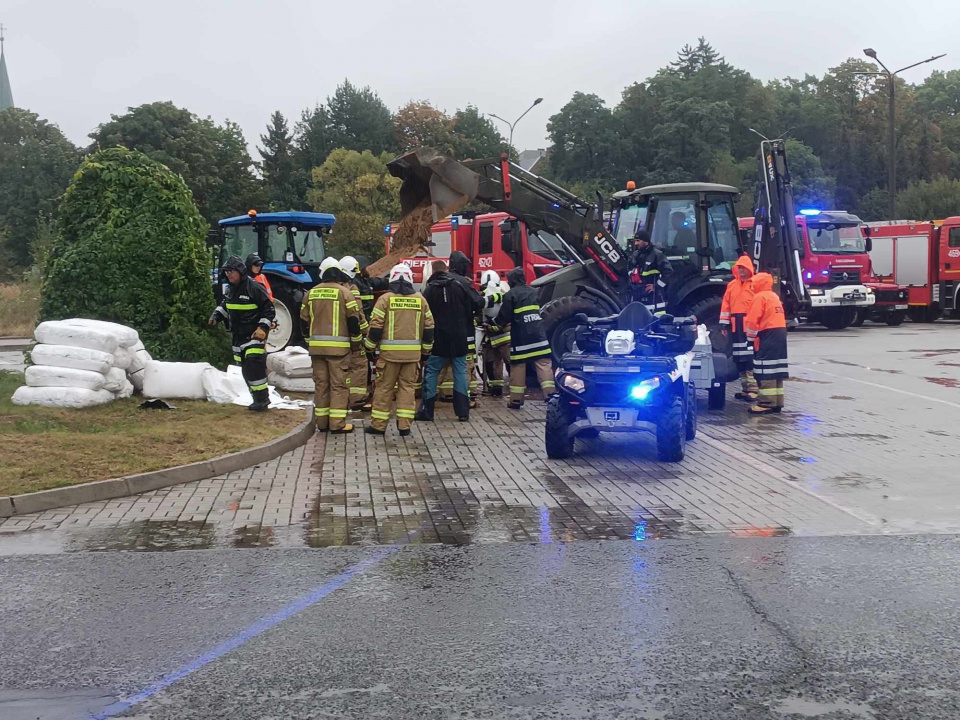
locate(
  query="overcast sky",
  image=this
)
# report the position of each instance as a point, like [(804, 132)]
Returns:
[(75, 63)]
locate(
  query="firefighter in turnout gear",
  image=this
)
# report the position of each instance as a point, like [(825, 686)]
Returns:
[(401, 326), (496, 345), (733, 314), (767, 328), (250, 313), (653, 271), (528, 342), (359, 377), (334, 316)]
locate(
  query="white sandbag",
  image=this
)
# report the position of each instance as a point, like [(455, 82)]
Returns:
[(47, 376), (138, 361), (125, 391), (290, 363), (122, 358), (126, 336), (72, 357), (172, 381), (115, 381), (218, 386), (60, 397), (136, 379), (137, 347), (288, 384), (57, 332)]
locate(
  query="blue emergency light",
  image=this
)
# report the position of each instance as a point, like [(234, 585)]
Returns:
[(809, 211)]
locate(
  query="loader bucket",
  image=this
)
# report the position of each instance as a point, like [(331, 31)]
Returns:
[(430, 178)]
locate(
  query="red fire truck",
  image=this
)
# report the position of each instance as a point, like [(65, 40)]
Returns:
[(924, 258), (834, 265), (492, 241)]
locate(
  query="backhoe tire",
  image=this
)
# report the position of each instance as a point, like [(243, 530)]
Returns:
[(559, 323), (838, 318), (707, 311), (717, 397), (671, 432), (559, 444)]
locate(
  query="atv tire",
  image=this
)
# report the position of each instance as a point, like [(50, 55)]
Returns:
[(717, 397), (690, 425), (671, 432), (559, 444), (559, 321)]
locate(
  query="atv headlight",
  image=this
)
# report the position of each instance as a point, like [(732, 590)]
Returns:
[(642, 389), (572, 382)]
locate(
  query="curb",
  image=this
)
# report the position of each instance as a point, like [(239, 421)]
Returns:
[(144, 482)]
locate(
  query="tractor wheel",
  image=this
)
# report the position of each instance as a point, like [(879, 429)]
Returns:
[(288, 330), (671, 432), (560, 324), (707, 312), (559, 444)]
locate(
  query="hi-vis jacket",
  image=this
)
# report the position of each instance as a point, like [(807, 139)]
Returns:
[(766, 312), (334, 317), (739, 295), (402, 326), (247, 306), (355, 291), (521, 310)]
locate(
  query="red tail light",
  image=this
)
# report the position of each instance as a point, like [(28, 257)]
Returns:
[(296, 269)]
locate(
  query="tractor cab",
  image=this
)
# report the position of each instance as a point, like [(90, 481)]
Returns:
[(292, 246)]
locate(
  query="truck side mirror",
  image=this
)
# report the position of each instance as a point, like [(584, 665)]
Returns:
[(869, 243)]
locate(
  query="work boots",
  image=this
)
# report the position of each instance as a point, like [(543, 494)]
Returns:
[(461, 406), (261, 401), (425, 411)]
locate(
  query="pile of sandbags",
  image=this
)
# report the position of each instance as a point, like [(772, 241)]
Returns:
[(81, 363), (291, 370)]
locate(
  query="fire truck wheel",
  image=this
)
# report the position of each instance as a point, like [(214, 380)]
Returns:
[(924, 314), (861, 317), (839, 318), (895, 318)]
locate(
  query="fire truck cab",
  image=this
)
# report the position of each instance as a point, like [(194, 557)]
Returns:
[(924, 258), (492, 241), (834, 262)]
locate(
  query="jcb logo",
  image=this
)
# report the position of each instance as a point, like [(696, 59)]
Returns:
[(757, 241), (613, 255)]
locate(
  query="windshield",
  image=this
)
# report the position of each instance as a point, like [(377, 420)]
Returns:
[(543, 242), (833, 239), (239, 240), (309, 245), (629, 219)]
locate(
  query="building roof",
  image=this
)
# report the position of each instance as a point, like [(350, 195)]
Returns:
[(6, 93), (529, 158)]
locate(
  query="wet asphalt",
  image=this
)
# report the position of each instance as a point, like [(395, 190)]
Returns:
[(842, 627)]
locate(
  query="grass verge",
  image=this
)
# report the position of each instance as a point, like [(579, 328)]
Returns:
[(46, 448), (19, 306)]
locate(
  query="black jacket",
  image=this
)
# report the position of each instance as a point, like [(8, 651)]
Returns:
[(459, 267), (452, 308), (653, 265), (367, 287), (246, 305), (521, 311)]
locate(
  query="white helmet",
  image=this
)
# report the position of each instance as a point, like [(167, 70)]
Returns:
[(327, 264), (490, 279), (350, 266), (401, 272)]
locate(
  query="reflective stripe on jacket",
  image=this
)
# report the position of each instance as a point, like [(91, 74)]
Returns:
[(766, 311), (401, 326), (247, 307), (521, 310), (333, 315)]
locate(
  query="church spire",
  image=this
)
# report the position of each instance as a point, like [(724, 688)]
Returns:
[(6, 94)]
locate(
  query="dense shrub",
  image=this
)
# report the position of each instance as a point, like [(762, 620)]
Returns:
[(131, 249)]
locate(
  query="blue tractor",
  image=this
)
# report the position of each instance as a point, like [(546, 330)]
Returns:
[(292, 247)]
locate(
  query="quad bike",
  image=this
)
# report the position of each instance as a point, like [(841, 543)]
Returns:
[(630, 372)]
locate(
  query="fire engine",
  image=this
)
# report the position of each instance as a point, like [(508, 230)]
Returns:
[(924, 258), (834, 264), (493, 241)]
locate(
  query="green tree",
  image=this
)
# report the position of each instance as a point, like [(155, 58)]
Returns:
[(690, 60), (213, 159), (929, 200), (475, 136), (687, 140), (359, 190), (419, 124), (358, 120), (36, 163), (278, 165), (131, 249), (586, 143)]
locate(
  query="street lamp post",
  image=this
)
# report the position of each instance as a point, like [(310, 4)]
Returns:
[(892, 124), (513, 124)]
